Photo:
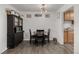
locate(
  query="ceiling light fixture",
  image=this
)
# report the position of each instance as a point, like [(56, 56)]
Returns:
[(43, 8)]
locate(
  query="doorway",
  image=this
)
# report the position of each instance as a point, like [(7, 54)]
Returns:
[(69, 26)]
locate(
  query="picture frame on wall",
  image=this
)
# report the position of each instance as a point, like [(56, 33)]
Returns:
[(38, 15), (28, 15), (47, 15)]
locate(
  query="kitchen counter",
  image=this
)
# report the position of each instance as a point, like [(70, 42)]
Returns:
[(69, 29)]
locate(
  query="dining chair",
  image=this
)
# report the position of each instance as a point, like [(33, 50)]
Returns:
[(40, 37), (31, 37), (40, 32), (48, 36)]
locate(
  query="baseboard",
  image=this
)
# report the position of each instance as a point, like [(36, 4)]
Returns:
[(3, 50), (61, 42), (26, 39)]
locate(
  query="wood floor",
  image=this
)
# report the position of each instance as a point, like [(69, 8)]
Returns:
[(49, 48)]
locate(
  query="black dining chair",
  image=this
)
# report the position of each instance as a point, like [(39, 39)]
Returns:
[(40, 37), (48, 36), (32, 39)]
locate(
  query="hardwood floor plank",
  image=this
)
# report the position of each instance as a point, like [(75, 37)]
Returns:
[(48, 48)]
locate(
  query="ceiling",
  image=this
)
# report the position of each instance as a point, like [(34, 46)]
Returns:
[(36, 7)]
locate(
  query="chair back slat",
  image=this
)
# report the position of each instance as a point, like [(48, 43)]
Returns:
[(40, 32)]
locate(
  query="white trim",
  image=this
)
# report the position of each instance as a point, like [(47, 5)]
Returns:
[(26, 39), (4, 50)]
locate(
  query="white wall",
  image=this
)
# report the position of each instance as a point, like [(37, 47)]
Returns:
[(76, 28), (3, 27), (40, 23)]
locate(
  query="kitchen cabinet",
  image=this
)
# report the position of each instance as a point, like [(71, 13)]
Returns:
[(65, 36), (69, 16), (68, 36)]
